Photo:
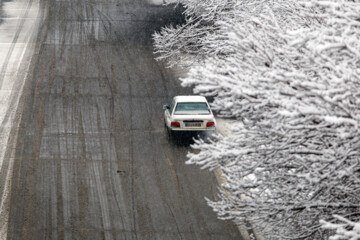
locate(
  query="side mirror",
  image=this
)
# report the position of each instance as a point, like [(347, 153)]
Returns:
[(166, 107)]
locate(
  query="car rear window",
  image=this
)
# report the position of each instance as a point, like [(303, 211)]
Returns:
[(191, 108)]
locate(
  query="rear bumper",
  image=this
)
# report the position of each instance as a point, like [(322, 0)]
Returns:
[(193, 129)]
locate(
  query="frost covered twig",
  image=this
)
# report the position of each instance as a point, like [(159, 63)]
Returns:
[(344, 230), (289, 71)]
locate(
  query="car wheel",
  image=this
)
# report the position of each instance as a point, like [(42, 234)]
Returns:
[(168, 131), (170, 134)]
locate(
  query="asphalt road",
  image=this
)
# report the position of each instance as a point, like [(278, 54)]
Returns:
[(88, 151)]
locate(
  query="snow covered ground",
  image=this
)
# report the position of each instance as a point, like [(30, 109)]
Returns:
[(223, 126), (158, 2), (18, 27)]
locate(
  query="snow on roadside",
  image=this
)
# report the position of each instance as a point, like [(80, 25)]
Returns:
[(224, 126), (17, 32)]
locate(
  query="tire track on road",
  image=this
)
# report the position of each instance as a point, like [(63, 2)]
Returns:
[(108, 172)]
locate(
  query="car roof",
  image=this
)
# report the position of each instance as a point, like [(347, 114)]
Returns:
[(194, 98)]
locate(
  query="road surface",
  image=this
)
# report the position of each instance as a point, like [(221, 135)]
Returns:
[(85, 154)]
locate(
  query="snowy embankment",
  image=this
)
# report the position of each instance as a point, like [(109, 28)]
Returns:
[(18, 29)]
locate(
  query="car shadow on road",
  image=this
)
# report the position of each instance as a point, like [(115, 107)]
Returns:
[(185, 139)]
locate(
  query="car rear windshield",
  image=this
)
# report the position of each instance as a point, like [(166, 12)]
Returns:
[(192, 108)]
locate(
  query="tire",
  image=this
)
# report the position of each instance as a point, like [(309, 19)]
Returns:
[(168, 131), (170, 134)]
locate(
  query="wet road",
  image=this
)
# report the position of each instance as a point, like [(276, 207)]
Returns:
[(88, 151)]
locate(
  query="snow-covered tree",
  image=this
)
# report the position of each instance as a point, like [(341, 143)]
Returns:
[(192, 41), (289, 72), (345, 229)]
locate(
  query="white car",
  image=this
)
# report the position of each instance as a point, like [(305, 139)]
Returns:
[(189, 113)]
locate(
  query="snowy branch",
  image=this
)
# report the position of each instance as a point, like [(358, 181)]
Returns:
[(289, 72)]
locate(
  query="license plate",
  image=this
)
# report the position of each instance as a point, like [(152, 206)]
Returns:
[(193, 125)]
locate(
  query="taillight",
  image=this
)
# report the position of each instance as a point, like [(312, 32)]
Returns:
[(210, 124), (175, 124)]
